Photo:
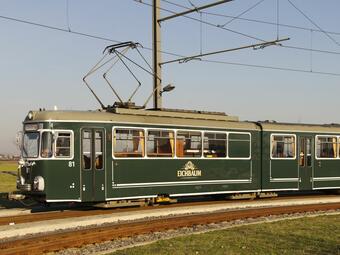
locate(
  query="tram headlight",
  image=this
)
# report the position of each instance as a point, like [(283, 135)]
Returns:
[(30, 115), (38, 183), (20, 180)]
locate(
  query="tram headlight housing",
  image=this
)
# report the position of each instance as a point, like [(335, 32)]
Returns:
[(38, 183)]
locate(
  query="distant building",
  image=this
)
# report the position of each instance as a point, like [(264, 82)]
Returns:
[(9, 157)]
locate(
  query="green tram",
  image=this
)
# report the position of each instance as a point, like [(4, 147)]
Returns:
[(132, 154)]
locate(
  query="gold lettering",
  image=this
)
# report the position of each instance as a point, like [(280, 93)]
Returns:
[(189, 173)]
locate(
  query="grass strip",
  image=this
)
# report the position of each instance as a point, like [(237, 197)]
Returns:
[(8, 182), (308, 235)]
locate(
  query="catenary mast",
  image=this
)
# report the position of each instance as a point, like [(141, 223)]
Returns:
[(156, 36)]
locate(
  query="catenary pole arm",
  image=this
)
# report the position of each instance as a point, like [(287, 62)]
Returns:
[(194, 10), (254, 46)]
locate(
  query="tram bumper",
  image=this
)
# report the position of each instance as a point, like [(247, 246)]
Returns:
[(27, 184), (37, 185)]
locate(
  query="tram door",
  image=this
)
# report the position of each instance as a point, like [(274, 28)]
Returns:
[(306, 156), (92, 166)]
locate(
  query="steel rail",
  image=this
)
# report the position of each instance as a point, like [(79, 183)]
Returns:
[(90, 211)]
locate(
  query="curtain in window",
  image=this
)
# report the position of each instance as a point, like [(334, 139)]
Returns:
[(172, 143)]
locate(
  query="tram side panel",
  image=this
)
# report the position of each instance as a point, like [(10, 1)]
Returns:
[(52, 173), (326, 171), (62, 172), (176, 176), (279, 161)]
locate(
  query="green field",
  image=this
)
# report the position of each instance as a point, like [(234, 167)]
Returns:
[(312, 235), (8, 182)]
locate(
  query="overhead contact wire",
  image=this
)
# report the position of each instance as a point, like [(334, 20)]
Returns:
[(314, 23), (206, 23), (242, 13), (255, 20), (208, 61)]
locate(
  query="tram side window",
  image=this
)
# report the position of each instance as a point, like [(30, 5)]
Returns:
[(309, 151), (305, 152), (160, 143), (128, 143), (215, 145), (188, 144), (238, 145), (63, 145), (283, 146), (87, 150), (46, 144), (99, 150), (339, 147), (326, 146)]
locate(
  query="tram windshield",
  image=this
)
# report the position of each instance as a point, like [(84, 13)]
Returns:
[(30, 148)]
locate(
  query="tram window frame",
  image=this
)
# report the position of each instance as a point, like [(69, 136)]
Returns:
[(31, 143), (318, 147), (99, 151), (209, 151), (182, 148), (309, 152), (339, 147), (52, 151), (57, 135), (231, 144), (305, 151), (46, 150), (86, 165), (283, 157), (129, 154), (166, 141)]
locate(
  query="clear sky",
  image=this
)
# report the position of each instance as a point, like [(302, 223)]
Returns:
[(43, 68)]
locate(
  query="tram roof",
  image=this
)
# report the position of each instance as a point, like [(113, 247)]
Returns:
[(299, 127), (176, 118), (137, 117)]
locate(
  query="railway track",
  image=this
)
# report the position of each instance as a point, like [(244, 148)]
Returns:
[(86, 211), (90, 211), (77, 238)]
